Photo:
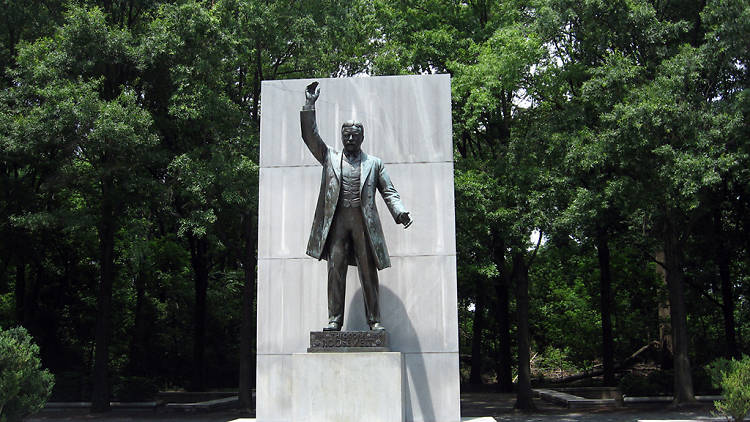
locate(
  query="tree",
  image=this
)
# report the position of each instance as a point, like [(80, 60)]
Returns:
[(516, 153), (677, 157), (604, 62), (474, 203), (80, 106)]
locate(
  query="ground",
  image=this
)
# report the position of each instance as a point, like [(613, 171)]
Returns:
[(499, 406)]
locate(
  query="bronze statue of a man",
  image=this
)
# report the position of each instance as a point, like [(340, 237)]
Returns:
[(346, 228)]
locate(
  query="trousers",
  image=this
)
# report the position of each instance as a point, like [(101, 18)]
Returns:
[(349, 234)]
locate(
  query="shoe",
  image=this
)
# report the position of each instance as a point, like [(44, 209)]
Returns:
[(332, 326), (376, 326)]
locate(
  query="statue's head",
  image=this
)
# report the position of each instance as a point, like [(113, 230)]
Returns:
[(352, 135)]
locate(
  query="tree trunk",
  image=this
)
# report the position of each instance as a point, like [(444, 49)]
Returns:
[(101, 387), (257, 79), (727, 296), (664, 312), (475, 376), (247, 358), (728, 309), (138, 358), (504, 373), (20, 289), (31, 299), (199, 261), (683, 382), (521, 278), (502, 315), (605, 278), (4, 277)]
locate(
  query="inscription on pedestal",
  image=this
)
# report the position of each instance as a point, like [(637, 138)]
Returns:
[(348, 341)]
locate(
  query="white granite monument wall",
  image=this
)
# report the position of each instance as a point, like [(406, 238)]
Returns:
[(407, 123)]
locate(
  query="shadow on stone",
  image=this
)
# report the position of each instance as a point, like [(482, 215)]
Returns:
[(396, 320)]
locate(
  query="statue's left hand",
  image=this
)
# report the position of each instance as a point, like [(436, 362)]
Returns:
[(405, 219)]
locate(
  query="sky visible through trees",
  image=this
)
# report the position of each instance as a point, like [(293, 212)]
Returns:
[(618, 130)]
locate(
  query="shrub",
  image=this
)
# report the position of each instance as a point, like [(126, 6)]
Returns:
[(553, 363), (717, 368), (24, 385), (734, 380), (132, 389), (71, 385), (703, 382), (657, 383)]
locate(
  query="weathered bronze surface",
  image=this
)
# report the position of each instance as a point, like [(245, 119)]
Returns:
[(346, 228), (348, 341)]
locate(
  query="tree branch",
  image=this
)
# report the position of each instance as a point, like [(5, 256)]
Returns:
[(703, 293), (661, 264), (536, 249)]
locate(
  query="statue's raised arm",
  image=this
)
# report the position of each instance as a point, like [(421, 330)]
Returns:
[(309, 125)]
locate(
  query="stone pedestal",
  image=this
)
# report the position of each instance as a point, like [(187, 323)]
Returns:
[(346, 387)]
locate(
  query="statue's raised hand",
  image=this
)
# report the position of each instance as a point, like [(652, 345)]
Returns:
[(312, 92)]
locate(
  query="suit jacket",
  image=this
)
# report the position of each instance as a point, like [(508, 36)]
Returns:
[(372, 176)]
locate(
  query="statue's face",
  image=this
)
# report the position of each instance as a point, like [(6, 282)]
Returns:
[(351, 137)]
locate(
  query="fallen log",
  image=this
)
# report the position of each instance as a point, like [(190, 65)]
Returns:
[(597, 370)]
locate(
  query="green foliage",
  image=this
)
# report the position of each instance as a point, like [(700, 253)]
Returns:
[(718, 368), (655, 383), (661, 383), (733, 376), (24, 385), (565, 300), (564, 315), (134, 389), (553, 362), (475, 196)]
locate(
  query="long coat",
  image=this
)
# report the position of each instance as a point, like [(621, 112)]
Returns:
[(372, 176)]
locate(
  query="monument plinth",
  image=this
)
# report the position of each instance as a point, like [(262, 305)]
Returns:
[(347, 387)]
